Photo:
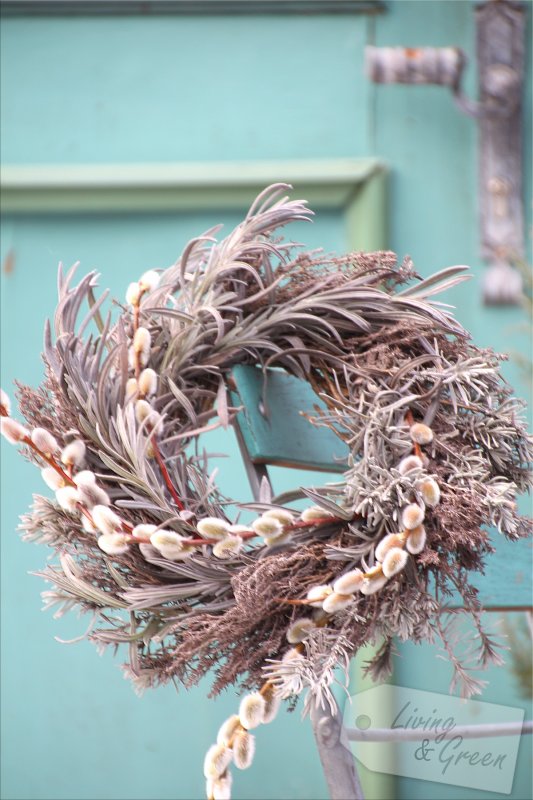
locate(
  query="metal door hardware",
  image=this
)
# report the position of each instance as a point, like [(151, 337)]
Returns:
[(500, 43)]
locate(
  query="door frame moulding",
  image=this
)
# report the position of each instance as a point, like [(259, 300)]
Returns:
[(354, 187), (77, 8)]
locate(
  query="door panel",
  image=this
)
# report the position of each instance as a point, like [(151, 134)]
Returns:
[(139, 89), (432, 149), (72, 713), (111, 91)]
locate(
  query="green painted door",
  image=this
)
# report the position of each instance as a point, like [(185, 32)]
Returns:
[(122, 136)]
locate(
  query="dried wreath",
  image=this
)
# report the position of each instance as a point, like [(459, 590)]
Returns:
[(144, 542)]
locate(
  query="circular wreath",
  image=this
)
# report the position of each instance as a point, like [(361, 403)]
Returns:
[(144, 537)]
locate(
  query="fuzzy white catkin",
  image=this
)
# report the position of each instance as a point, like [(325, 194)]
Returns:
[(52, 478), (169, 544), (84, 478), (238, 529), (281, 514), (142, 340), (227, 547), (105, 519), (92, 495), (409, 463), (336, 602), (349, 583), (317, 594), (416, 541), (132, 358), (73, 454), (278, 538), (272, 705), (217, 760), (219, 788), (143, 357), (148, 381), (300, 630), (68, 498), (143, 409), (87, 525), (412, 516), (143, 531), (251, 710), (394, 561), (267, 526), (391, 540), (5, 402), (420, 433), (145, 413), (44, 440), (149, 281), (138, 357), (314, 513), (12, 430), (373, 584), (173, 553), (212, 527), (114, 544), (132, 388), (243, 749), (430, 491), (227, 730), (133, 294)]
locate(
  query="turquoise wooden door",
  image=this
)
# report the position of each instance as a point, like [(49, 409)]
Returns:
[(122, 136)]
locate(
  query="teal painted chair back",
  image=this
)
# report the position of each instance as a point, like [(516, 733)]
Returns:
[(273, 429)]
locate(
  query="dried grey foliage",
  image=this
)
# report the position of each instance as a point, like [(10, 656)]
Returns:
[(365, 332), (325, 650)]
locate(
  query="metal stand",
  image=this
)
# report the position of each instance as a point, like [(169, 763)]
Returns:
[(331, 738), (337, 761)]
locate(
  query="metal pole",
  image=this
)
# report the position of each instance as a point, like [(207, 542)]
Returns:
[(337, 761)]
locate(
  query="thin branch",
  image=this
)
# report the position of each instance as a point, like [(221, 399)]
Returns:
[(165, 474)]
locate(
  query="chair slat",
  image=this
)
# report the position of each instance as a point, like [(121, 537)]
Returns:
[(273, 427), (273, 431), (507, 582)]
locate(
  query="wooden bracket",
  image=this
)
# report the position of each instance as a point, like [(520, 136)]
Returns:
[(500, 26), (500, 52)]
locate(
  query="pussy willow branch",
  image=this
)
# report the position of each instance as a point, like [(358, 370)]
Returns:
[(157, 452), (50, 460), (164, 472)]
